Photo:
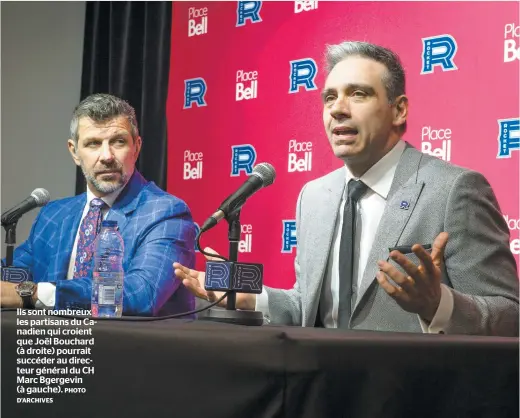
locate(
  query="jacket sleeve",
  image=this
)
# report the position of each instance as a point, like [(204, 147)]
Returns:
[(479, 262)]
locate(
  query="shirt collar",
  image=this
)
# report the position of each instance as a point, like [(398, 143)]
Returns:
[(381, 175), (109, 199)]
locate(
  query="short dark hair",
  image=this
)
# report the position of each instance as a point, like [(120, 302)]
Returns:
[(102, 107), (394, 81)]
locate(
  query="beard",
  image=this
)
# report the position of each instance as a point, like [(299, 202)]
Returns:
[(106, 186)]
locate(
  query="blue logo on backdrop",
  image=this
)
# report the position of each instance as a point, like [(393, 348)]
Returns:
[(289, 236), (303, 72), (438, 51), (243, 158), (508, 137), (194, 91), (248, 10)]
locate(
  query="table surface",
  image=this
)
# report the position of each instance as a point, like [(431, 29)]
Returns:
[(179, 368)]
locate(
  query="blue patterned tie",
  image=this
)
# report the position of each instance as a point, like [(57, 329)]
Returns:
[(87, 234)]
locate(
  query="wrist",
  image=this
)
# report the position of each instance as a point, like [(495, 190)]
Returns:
[(429, 314), (247, 301)]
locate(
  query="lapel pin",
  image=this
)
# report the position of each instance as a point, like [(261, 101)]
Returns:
[(405, 205)]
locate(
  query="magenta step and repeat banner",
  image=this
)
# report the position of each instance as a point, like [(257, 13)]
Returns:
[(245, 84)]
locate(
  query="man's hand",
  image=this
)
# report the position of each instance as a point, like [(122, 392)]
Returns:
[(8, 295), (420, 291), (194, 280)]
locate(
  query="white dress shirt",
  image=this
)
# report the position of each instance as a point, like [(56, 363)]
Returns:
[(47, 291), (370, 208)]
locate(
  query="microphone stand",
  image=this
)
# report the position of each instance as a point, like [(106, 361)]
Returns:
[(234, 238), (230, 314), (10, 240)]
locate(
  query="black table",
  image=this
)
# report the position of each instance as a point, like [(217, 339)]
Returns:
[(180, 369)]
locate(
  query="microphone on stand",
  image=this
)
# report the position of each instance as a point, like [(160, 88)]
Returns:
[(231, 276), (263, 175), (39, 197)]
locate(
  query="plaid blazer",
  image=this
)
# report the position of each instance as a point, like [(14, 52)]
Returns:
[(157, 229)]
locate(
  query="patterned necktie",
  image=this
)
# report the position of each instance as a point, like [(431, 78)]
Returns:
[(356, 189), (87, 234)]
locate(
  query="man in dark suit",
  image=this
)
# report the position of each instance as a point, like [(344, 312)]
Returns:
[(395, 240), (156, 227)]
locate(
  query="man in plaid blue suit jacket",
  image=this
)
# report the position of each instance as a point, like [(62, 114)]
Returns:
[(157, 228)]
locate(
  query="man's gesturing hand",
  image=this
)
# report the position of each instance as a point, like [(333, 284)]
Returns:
[(194, 280), (418, 291)]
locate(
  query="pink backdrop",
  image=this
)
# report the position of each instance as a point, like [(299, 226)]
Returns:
[(464, 103)]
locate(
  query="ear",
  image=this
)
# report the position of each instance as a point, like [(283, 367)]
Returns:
[(137, 144), (73, 151), (400, 110)]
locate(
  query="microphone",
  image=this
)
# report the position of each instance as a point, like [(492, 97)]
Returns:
[(263, 175), (39, 197)]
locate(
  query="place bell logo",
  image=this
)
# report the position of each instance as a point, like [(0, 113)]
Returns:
[(436, 142), (288, 235), (248, 11), (303, 72), (438, 51), (192, 165), (511, 42), (197, 21), (300, 156), (305, 6), (243, 158), (194, 92), (247, 85), (513, 225), (508, 137), (245, 245)]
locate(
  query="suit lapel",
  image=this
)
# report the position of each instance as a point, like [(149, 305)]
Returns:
[(67, 232), (321, 233), (401, 201), (127, 201)]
